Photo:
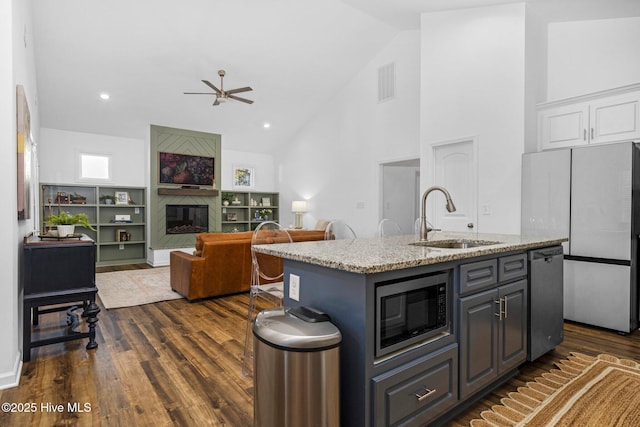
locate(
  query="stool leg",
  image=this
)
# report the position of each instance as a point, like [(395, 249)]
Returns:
[(92, 318)]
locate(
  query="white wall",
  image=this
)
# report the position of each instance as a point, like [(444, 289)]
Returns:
[(9, 351), (590, 56), (333, 161), (17, 68), (262, 164), (536, 41), (59, 150), (472, 84)]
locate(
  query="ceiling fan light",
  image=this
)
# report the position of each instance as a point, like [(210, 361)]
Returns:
[(221, 99)]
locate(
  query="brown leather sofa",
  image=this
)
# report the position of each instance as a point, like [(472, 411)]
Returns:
[(221, 263)]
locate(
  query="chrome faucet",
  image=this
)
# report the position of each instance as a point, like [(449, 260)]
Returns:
[(424, 228)]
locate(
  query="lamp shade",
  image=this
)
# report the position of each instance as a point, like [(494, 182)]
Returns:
[(299, 206)]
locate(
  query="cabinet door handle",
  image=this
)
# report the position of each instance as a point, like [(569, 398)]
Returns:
[(424, 395), (584, 135), (500, 312), (506, 314), (591, 133)]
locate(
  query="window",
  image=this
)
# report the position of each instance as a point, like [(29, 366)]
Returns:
[(94, 167)]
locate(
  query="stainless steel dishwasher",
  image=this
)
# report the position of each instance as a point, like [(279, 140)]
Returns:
[(546, 317)]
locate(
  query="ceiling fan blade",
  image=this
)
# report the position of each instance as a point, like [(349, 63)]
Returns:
[(199, 93), (216, 102), (241, 89), (237, 98), (211, 85)]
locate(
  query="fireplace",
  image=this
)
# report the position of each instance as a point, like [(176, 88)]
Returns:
[(185, 219)]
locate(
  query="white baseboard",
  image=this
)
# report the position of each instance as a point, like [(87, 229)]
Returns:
[(12, 379), (161, 257)]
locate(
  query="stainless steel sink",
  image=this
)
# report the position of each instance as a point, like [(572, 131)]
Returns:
[(455, 243)]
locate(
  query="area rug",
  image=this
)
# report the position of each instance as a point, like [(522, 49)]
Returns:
[(583, 391), (134, 287)]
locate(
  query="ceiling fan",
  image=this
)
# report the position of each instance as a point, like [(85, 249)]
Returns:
[(221, 94)]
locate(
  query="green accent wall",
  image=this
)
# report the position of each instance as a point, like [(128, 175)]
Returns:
[(180, 141)]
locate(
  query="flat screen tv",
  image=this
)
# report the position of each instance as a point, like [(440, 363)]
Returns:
[(185, 169)]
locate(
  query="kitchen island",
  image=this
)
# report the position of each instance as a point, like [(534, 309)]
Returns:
[(421, 380)]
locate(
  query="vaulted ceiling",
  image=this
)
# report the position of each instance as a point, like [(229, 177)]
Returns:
[(295, 54)]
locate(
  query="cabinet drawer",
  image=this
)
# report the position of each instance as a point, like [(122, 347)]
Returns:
[(416, 392), (477, 276), (512, 267)]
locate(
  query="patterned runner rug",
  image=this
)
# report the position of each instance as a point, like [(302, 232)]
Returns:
[(134, 287), (583, 391)]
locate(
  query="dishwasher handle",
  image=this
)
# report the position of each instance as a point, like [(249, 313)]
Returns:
[(545, 253)]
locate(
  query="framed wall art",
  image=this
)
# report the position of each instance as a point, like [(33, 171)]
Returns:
[(243, 177), (24, 145)]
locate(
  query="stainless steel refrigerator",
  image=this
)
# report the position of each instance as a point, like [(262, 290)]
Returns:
[(590, 194)]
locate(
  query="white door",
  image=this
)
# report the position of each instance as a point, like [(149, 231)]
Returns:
[(455, 169)]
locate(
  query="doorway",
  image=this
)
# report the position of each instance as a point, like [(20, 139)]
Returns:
[(400, 192)]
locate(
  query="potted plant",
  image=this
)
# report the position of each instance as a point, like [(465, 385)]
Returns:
[(66, 222), (226, 198), (264, 213), (108, 199)]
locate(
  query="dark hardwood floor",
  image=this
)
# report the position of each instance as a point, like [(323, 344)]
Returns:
[(179, 363)]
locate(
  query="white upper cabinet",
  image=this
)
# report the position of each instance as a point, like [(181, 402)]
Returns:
[(592, 119), (563, 126)]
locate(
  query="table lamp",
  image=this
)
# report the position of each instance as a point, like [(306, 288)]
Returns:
[(298, 207)]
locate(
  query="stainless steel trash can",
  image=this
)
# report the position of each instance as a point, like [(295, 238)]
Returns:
[(296, 369)]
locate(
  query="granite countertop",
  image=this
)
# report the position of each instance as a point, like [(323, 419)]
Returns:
[(376, 255)]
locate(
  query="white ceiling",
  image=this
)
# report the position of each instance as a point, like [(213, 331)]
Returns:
[(295, 54)]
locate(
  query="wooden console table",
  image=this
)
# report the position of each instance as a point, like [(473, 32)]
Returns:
[(59, 272)]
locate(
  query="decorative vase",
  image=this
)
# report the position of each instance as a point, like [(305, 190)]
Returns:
[(66, 230), (108, 201), (225, 203)]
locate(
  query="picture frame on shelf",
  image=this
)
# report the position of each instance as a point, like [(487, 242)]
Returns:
[(266, 201), (232, 216), (122, 198), (243, 177), (121, 235)]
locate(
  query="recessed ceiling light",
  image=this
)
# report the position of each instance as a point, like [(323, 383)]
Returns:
[(104, 96), (267, 125)]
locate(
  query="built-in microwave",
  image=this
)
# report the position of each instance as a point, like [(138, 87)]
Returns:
[(411, 310)]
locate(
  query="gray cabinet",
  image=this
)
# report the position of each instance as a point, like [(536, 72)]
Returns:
[(417, 392), (493, 327)]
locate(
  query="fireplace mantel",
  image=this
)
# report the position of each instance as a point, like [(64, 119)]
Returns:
[(187, 192)]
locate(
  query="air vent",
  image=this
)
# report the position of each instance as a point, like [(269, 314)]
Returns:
[(387, 82)]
